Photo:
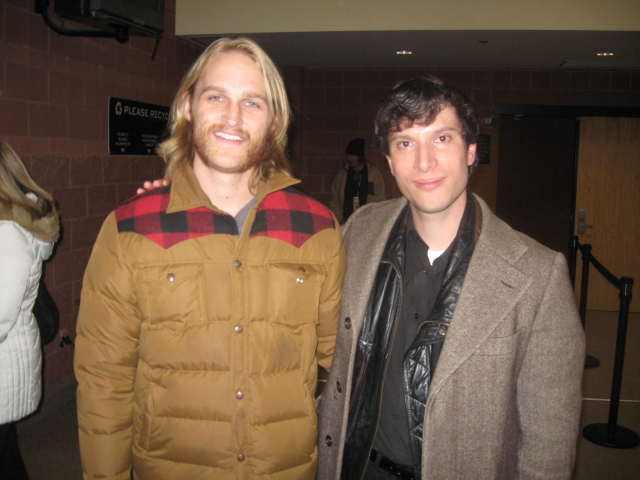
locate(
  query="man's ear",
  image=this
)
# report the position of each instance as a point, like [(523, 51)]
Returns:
[(390, 165), (471, 154), (186, 105)]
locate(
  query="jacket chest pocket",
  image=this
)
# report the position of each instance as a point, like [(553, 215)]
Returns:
[(172, 295), (295, 292)]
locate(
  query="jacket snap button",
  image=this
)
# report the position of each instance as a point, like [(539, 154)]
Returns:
[(240, 457), (347, 323), (300, 280), (171, 277), (238, 328), (239, 395), (338, 387), (237, 264), (442, 331), (328, 440)]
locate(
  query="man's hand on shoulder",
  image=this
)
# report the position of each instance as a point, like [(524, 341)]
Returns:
[(147, 186)]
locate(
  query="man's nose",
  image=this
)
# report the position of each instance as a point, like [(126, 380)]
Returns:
[(233, 114), (425, 158)]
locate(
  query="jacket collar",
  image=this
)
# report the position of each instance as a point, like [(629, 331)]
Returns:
[(186, 193), (46, 228), (492, 287)]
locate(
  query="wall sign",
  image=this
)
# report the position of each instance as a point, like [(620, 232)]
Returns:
[(135, 128)]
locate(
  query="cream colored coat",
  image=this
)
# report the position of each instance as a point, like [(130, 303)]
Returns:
[(199, 361), (506, 395), (24, 244)]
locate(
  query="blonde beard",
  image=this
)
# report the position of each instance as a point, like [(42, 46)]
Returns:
[(207, 154)]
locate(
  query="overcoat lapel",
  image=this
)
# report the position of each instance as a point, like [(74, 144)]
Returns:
[(491, 289), (363, 257)]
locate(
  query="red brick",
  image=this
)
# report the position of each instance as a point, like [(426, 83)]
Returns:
[(64, 242), (70, 265), (66, 89), (340, 123), (51, 171), (14, 53), (67, 146), (62, 296), (102, 199), (15, 22), (85, 171), (84, 123), (146, 168), (58, 370), (72, 202), (2, 28), (29, 145), (35, 84), (127, 190), (14, 117), (85, 231), (92, 147), (314, 96), (91, 73), (17, 85), (116, 169), (47, 120), (373, 96)]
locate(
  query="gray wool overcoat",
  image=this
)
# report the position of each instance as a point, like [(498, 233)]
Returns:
[(505, 399)]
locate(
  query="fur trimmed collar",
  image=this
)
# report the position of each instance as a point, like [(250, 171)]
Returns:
[(46, 228)]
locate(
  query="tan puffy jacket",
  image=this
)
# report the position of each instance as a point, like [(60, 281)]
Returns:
[(197, 352)]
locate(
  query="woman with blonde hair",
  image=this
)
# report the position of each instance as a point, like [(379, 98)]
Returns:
[(29, 227)]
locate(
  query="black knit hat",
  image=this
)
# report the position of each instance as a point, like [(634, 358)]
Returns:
[(356, 147)]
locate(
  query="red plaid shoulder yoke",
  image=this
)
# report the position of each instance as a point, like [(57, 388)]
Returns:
[(287, 215)]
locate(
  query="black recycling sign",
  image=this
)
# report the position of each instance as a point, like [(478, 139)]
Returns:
[(135, 128)]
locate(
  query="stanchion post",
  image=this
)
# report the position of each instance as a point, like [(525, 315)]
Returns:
[(626, 284), (611, 434), (584, 285), (573, 255), (589, 361)]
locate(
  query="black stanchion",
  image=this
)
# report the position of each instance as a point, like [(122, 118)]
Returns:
[(589, 361), (573, 254), (611, 434)]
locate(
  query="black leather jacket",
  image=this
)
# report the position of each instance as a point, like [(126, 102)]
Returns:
[(376, 338)]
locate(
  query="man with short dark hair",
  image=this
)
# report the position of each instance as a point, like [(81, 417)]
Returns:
[(208, 304), (459, 351)]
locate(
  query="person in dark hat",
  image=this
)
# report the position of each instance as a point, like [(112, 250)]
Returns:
[(357, 184)]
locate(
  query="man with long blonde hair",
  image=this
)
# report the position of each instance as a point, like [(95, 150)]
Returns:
[(208, 303)]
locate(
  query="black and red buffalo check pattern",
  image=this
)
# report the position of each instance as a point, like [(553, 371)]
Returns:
[(287, 215), (291, 216)]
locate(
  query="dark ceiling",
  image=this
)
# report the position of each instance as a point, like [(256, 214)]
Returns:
[(455, 49)]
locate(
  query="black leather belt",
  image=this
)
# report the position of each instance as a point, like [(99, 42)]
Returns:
[(405, 472)]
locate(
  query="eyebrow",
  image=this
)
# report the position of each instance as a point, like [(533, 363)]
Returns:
[(247, 94), (444, 129)]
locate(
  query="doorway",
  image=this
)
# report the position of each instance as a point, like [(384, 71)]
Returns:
[(554, 161)]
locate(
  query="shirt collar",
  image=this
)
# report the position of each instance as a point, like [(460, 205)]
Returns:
[(186, 193)]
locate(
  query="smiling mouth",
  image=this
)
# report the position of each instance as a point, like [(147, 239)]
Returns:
[(428, 184), (226, 136)]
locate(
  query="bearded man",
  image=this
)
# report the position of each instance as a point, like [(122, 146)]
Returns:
[(208, 304)]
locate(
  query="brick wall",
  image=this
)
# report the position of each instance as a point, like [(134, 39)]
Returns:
[(340, 104), (54, 93)]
